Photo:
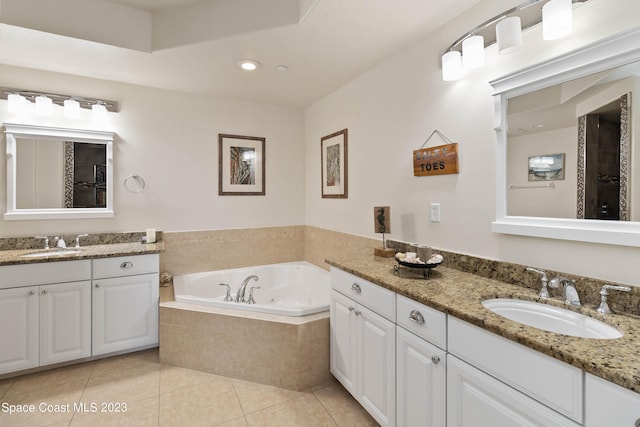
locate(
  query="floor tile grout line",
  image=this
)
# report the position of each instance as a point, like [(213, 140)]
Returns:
[(325, 408)]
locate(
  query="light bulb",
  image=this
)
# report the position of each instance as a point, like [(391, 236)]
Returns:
[(557, 19), (509, 35), (451, 66), (71, 108), (473, 52), (16, 103), (44, 104)]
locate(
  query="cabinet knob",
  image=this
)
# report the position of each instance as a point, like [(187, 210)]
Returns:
[(417, 317), (126, 264), (32, 293), (358, 313), (97, 285), (44, 292), (351, 308), (356, 288), (637, 423), (435, 359)]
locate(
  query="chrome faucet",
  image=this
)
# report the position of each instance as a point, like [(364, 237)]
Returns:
[(243, 287), (78, 239), (603, 308), (569, 292), (59, 242), (46, 241), (544, 292)]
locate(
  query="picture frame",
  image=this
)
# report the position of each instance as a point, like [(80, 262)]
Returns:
[(546, 167), (334, 165), (241, 165)]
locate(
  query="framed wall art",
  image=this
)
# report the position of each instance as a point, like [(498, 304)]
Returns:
[(334, 165), (241, 165), (548, 167)]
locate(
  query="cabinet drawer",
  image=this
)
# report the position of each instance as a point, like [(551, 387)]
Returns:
[(125, 266), (377, 298), (423, 321), (556, 384), (12, 276)]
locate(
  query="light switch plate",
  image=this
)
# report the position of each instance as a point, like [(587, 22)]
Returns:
[(435, 212)]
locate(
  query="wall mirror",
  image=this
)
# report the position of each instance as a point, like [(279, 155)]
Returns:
[(567, 152), (56, 173)]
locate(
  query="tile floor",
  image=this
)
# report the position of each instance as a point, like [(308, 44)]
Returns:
[(148, 393)]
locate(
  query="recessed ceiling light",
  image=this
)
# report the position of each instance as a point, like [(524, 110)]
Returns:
[(282, 68), (248, 64)]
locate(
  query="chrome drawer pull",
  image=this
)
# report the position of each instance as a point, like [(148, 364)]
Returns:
[(417, 317), (356, 288), (435, 359), (126, 264), (44, 292)]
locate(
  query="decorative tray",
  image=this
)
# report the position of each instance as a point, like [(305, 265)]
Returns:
[(425, 267)]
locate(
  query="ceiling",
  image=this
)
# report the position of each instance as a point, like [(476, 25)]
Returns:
[(193, 45)]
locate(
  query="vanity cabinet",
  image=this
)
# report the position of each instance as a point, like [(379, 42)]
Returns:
[(493, 381), (46, 312), (125, 303), (363, 343), (608, 404)]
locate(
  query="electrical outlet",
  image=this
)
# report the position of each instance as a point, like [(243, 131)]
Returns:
[(435, 212)]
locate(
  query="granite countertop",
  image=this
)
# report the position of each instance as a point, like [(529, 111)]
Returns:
[(14, 257), (460, 294)]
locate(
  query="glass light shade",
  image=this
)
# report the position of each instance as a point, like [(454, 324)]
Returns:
[(71, 108), (473, 52), (98, 112), (557, 19), (509, 35), (44, 104), (16, 103), (451, 66)]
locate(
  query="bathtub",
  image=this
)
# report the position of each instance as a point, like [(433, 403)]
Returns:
[(291, 289)]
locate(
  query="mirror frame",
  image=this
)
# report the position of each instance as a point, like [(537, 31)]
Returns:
[(15, 131), (611, 52)]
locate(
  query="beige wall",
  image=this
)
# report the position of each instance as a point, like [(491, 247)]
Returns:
[(391, 110)]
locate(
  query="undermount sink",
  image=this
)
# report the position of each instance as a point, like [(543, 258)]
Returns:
[(51, 253), (551, 318)]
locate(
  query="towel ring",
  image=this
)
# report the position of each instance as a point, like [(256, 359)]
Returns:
[(134, 183)]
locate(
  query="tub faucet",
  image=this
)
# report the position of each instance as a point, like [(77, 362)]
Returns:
[(243, 287), (569, 292)]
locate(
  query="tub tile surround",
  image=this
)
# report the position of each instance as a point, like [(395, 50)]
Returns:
[(460, 294), (287, 352)]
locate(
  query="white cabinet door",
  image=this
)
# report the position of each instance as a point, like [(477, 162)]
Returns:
[(608, 404), (421, 382), (19, 331), (376, 365), (125, 313), (363, 356), (477, 399), (65, 322), (343, 341)]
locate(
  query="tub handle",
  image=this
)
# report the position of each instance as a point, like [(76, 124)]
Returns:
[(228, 297), (251, 300), (356, 288)]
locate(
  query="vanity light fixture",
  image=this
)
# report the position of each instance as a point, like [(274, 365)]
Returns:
[(505, 30), (473, 52), (557, 19), (509, 35), (71, 108), (451, 66), (19, 99), (248, 64), (17, 103), (98, 112), (44, 104)]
